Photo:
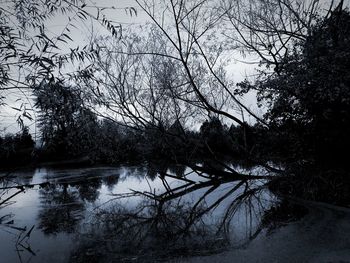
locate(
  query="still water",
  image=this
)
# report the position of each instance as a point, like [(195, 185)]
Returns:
[(94, 215), (57, 210)]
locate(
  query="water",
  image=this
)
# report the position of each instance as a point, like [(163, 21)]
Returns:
[(61, 204), (78, 215), (58, 210)]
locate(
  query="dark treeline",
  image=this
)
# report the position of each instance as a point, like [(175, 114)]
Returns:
[(309, 107), (109, 142), (16, 149), (71, 130)]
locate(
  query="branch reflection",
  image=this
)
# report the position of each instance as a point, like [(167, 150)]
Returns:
[(200, 210)]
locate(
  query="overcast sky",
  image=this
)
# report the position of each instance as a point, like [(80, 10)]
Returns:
[(117, 11)]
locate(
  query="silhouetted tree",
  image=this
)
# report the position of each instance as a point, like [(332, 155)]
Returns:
[(16, 149), (215, 136), (61, 209), (308, 97), (67, 126)]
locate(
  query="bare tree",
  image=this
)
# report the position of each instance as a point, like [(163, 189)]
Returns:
[(173, 69), (270, 29), (182, 62)]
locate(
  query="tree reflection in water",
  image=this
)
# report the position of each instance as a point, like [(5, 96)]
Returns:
[(61, 209), (89, 190), (63, 204), (201, 209), (197, 214), (110, 181)]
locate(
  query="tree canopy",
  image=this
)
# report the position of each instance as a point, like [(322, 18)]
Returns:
[(311, 89)]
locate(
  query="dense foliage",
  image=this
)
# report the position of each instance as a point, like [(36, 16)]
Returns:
[(308, 100), (67, 127), (308, 97), (17, 149)]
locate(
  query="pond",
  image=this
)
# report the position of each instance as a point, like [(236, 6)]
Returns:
[(111, 214)]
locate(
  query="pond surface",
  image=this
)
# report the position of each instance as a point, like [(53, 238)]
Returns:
[(57, 210), (63, 215)]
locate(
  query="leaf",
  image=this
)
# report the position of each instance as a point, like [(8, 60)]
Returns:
[(45, 47), (134, 9), (63, 40), (17, 109), (80, 13), (67, 36), (47, 60), (28, 116)]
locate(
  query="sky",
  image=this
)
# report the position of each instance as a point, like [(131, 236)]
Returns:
[(117, 11)]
